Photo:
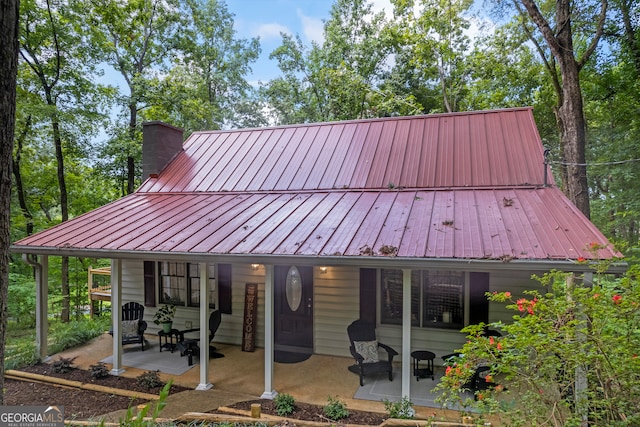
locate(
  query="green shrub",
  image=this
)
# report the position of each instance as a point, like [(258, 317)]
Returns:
[(63, 365), (403, 409), (336, 409), (99, 370), (285, 405), (21, 299), (63, 336), (568, 355), (149, 380)]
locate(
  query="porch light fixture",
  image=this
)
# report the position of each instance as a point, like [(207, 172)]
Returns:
[(255, 266), (323, 270)]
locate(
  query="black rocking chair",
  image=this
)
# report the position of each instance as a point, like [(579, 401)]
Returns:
[(364, 349)]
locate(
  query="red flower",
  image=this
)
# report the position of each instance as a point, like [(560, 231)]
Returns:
[(507, 294), (581, 259), (521, 302), (448, 370), (491, 341), (617, 299)]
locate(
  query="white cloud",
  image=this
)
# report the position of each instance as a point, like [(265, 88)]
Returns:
[(271, 31), (312, 28), (383, 5)]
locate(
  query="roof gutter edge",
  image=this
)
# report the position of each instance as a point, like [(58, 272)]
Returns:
[(329, 260)]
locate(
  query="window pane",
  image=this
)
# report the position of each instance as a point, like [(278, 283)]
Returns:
[(173, 285), (194, 285), (391, 293), (443, 299)]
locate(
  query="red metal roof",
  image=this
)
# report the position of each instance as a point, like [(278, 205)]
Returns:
[(478, 149), (463, 185)]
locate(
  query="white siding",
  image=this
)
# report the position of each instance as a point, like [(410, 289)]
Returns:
[(336, 305)]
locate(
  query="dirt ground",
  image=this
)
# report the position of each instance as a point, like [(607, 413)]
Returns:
[(80, 404)]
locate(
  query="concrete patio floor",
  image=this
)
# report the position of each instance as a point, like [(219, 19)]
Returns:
[(239, 376)]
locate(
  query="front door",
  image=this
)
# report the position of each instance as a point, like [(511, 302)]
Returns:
[(293, 308)]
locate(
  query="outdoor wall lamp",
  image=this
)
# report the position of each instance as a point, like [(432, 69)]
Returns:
[(255, 266), (323, 270)]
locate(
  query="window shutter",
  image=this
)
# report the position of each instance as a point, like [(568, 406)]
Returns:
[(149, 283), (224, 288), (368, 294), (479, 305)]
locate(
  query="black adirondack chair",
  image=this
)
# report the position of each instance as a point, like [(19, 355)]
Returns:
[(133, 326), (364, 348), (189, 346)]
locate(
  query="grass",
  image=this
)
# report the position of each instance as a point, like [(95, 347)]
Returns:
[(20, 347)]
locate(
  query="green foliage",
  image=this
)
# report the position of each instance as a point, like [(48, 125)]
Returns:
[(164, 314), (20, 348), (149, 380), (99, 370), (569, 354), (336, 409), (63, 365), (402, 409), (21, 300), (285, 404), (142, 418), (67, 335)]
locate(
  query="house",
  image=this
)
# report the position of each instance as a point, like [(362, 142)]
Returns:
[(333, 222)]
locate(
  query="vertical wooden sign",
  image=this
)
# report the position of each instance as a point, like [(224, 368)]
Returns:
[(250, 314)]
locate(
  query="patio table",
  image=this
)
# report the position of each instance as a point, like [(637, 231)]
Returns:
[(170, 339)]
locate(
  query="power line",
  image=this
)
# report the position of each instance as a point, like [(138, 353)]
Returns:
[(619, 162)]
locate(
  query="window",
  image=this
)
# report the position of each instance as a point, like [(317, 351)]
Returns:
[(180, 284), (443, 298), (437, 298)]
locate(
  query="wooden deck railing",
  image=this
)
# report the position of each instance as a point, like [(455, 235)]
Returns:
[(98, 292)]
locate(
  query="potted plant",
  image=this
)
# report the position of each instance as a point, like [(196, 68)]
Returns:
[(164, 316)]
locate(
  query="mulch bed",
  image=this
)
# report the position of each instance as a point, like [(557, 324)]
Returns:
[(81, 404), (308, 412)]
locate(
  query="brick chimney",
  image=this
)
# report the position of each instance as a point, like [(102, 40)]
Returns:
[(161, 142)]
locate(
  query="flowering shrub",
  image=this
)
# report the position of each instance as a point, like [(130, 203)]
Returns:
[(570, 356)]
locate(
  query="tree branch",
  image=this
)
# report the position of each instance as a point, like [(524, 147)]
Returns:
[(596, 38)]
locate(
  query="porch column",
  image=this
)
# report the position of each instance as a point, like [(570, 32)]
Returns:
[(116, 315), (204, 328), (42, 307), (406, 333), (269, 392)]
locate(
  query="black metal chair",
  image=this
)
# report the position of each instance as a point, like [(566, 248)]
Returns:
[(189, 346), (478, 381), (364, 348), (132, 325)]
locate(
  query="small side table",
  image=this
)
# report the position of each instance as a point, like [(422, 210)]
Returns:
[(169, 342), (423, 356)]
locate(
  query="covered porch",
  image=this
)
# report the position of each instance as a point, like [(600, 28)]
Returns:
[(311, 381)]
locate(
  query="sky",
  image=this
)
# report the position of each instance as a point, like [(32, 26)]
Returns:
[(268, 18)]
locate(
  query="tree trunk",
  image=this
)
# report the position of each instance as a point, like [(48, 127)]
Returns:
[(573, 135), (570, 113), (8, 74), (64, 206), (22, 200)]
